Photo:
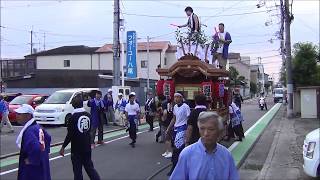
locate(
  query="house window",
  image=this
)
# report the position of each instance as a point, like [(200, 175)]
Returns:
[(144, 64), (165, 61), (66, 63)]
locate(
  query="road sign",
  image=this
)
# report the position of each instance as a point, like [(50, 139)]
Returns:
[(131, 54)]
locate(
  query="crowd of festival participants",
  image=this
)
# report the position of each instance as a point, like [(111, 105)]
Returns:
[(190, 136)]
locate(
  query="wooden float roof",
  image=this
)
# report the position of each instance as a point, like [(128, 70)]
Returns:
[(190, 66)]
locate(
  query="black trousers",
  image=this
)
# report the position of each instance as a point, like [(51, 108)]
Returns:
[(175, 157), (230, 131), (83, 159), (100, 130), (160, 130), (241, 130), (238, 130), (132, 130), (149, 120)]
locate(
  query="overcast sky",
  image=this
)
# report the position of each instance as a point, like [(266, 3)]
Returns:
[(90, 23)]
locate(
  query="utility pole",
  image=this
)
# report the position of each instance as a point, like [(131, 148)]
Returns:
[(44, 41), (288, 59), (31, 43), (261, 75), (0, 55), (148, 63), (116, 43), (282, 48), (122, 29)]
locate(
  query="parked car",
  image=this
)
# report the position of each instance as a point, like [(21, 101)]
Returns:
[(32, 99), (57, 109), (311, 151), (10, 96)]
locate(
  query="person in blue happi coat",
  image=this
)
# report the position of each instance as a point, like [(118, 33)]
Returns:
[(120, 108), (108, 103), (34, 143), (235, 124), (97, 117)]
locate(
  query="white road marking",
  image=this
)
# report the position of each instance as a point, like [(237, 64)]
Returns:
[(58, 157)]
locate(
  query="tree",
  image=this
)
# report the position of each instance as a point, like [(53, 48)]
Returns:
[(305, 71), (318, 75), (233, 75), (241, 78), (283, 73), (253, 88)]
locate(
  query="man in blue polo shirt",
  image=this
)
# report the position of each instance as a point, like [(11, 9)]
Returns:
[(206, 159), (34, 143)]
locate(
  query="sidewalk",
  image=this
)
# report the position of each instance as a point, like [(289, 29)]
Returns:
[(278, 153)]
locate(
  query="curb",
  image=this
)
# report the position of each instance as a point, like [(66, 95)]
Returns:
[(239, 154)]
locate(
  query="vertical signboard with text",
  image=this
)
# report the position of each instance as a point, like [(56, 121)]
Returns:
[(131, 54)]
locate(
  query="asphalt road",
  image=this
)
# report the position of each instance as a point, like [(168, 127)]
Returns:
[(58, 133), (251, 114), (117, 160)]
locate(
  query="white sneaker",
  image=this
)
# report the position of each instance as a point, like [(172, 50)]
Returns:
[(164, 154), (169, 155)]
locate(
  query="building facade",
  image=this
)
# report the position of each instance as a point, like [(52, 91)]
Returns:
[(82, 66), (243, 67)]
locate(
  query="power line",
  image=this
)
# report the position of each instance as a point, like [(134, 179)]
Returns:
[(27, 6), (179, 17), (203, 7), (244, 36), (222, 11), (162, 35), (307, 26), (259, 52), (49, 33), (251, 43)]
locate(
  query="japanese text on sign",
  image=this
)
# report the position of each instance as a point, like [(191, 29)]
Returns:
[(131, 54)]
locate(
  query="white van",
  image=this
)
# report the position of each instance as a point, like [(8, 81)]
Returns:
[(57, 109), (311, 153), (278, 95)]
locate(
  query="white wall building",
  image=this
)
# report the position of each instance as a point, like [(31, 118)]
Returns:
[(243, 67), (161, 53)]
